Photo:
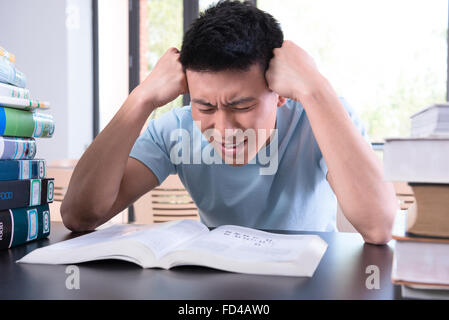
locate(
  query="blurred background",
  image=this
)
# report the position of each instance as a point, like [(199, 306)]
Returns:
[(389, 59)]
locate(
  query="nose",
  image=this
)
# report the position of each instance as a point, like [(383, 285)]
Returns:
[(224, 123)]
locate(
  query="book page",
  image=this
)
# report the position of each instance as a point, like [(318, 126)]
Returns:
[(421, 262), (120, 242), (242, 244), (113, 233), (169, 235)]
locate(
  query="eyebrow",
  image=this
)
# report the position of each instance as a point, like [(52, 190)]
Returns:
[(229, 104)]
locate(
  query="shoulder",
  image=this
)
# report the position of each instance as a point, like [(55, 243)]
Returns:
[(176, 118)]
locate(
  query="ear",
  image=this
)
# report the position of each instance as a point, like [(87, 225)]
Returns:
[(281, 101)]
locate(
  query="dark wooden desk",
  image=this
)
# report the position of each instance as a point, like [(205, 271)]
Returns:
[(340, 275)]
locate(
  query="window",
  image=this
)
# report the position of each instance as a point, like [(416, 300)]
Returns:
[(387, 58), (163, 28)]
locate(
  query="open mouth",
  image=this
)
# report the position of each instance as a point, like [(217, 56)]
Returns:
[(233, 148)]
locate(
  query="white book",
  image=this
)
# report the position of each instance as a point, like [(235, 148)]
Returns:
[(416, 293), (189, 242), (431, 121), (419, 262), (7, 90), (423, 160), (24, 104)]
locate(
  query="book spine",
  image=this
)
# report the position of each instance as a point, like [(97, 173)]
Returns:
[(17, 148), (7, 90), (21, 123), (22, 169), (44, 125), (7, 55), (22, 225), (23, 104), (10, 74), (24, 193)]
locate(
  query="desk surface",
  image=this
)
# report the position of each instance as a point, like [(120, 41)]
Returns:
[(341, 274)]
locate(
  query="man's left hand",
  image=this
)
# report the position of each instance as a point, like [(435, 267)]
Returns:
[(292, 73)]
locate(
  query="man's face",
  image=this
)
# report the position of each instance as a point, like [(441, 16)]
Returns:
[(236, 111)]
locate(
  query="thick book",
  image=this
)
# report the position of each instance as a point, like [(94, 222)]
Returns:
[(431, 121), (25, 193), (10, 74), (414, 292), (17, 148), (400, 231), (21, 225), (21, 123), (423, 160), (429, 214), (23, 104), (7, 90), (189, 242), (22, 169), (421, 263)]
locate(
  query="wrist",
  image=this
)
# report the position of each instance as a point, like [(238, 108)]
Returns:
[(317, 87), (142, 100)]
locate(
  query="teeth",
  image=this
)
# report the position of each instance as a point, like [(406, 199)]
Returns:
[(230, 146)]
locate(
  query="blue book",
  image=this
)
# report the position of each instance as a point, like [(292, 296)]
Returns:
[(25, 193), (16, 147), (18, 226), (10, 74), (22, 169)]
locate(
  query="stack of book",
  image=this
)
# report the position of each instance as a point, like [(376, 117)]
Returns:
[(421, 256), (24, 189)]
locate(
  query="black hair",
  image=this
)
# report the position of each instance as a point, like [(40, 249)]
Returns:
[(231, 35)]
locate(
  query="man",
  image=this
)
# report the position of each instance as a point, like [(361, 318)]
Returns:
[(241, 77)]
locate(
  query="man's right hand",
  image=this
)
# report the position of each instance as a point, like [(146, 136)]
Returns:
[(165, 82)]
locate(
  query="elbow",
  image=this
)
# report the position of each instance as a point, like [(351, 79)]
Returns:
[(381, 232), (381, 229), (377, 238), (75, 221)]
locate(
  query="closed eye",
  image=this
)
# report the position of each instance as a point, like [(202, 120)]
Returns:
[(244, 109), (210, 110)]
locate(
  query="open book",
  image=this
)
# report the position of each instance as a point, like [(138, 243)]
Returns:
[(189, 242)]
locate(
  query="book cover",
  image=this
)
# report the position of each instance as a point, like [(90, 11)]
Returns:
[(21, 123), (7, 90), (24, 193), (21, 225), (17, 148), (23, 104), (22, 169), (10, 74)]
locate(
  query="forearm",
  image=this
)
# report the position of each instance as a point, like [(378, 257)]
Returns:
[(95, 182), (367, 201)]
